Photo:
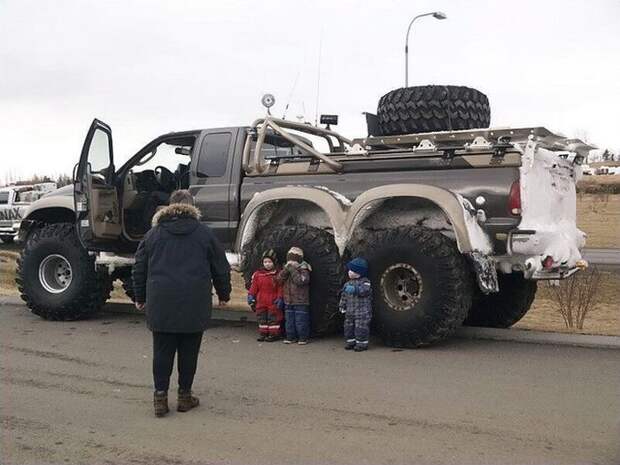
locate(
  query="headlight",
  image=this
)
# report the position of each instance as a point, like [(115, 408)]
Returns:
[(16, 225)]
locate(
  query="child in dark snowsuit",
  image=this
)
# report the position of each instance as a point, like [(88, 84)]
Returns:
[(356, 304), (265, 298), (295, 280)]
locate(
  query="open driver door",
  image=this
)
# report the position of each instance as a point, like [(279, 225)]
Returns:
[(98, 216)]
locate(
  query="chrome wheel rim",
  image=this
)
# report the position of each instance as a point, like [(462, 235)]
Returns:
[(401, 285), (55, 273)]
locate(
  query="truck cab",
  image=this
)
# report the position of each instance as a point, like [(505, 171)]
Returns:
[(114, 207)]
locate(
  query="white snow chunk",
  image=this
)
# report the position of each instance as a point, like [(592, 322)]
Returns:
[(337, 195)]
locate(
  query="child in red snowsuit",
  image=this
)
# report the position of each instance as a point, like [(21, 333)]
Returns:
[(265, 298)]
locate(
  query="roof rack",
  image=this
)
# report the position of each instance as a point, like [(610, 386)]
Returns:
[(476, 138), (495, 139)]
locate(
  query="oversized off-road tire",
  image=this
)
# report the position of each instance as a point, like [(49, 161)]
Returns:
[(412, 110), (7, 239), (422, 285), (57, 278), (320, 252), (504, 308)]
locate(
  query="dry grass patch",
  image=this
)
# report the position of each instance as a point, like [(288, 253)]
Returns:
[(603, 318), (598, 215), (8, 266)]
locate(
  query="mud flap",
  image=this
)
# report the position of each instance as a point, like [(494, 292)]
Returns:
[(486, 274)]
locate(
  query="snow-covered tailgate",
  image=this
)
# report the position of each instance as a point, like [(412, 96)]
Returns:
[(548, 241)]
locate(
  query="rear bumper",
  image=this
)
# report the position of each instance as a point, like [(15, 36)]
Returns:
[(560, 273), (544, 254)]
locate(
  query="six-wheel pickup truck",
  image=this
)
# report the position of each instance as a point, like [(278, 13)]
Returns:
[(457, 224)]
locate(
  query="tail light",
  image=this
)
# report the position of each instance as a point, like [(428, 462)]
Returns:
[(514, 198)]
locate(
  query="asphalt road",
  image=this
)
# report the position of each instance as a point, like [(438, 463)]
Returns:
[(80, 392)]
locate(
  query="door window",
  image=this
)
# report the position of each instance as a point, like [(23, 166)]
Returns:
[(99, 155), (214, 154)]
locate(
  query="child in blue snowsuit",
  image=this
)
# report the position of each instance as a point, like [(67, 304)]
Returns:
[(356, 304)]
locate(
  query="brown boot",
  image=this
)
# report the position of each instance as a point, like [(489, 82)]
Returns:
[(186, 401), (160, 403)]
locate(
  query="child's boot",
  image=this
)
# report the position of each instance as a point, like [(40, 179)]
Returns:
[(360, 347), (160, 403), (349, 345), (186, 401)]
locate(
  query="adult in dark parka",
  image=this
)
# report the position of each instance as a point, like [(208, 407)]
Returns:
[(176, 263)]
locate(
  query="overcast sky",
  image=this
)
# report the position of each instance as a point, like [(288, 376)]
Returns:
[(150, 67)]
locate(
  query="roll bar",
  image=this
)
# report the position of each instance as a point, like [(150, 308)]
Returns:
[(260, 127)]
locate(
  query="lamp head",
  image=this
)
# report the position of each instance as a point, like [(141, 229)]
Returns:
[(439, 15)]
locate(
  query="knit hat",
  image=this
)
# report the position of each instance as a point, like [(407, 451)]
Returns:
[(271, 255), (295, 254), (358, 265)]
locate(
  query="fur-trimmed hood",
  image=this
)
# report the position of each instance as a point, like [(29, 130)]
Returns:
[(175, 211)]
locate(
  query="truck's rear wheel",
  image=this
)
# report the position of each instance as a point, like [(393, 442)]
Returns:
[(320, 252), (57, 278), (411, 110), (504, 308), (422, 287)]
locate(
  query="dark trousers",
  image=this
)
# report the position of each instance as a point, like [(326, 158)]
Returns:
[(269, 322), (297, 322), (165, 346), (356, 330)]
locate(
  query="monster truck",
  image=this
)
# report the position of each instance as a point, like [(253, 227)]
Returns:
[(458, 224)]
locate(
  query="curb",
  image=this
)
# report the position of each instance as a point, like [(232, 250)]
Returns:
[(216, 313), (465, 332), (494, 334), (539, 337)]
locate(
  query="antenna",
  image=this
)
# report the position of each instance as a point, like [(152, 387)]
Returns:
[(318, 81), (290, 96)]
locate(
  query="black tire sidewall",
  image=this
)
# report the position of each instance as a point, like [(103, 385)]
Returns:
[(506, 307), (446, 284), (88, 290), (393, 320), (320, 252), (45, 247)]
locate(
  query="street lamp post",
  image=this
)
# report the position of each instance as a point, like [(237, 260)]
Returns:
[(434, 14)]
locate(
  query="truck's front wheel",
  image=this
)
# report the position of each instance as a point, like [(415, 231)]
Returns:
[(57, 278), (504, 308), (422, 286), (320, 251)]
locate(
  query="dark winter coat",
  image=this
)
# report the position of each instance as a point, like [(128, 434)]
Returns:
[(176, 264), (295, 280), (266, 290), (357, 303)]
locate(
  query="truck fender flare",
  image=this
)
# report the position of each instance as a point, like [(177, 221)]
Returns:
[(326, 201), (56, 201), (469, 235)]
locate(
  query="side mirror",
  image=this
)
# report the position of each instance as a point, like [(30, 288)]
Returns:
[(182, 151)]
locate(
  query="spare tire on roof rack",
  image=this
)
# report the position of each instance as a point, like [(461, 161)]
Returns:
[(413, 110)]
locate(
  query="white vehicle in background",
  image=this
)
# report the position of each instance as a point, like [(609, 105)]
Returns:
[(13, 203)]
